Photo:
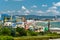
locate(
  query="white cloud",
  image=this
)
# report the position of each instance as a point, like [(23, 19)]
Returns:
[(10, 11), (53, 8), (48, 11), (31, 11), (53, 11), (27, 11), (23, 8), (19, 11), (57, 4), (34, 6), (26, 14), (39, 11), (44, 5)]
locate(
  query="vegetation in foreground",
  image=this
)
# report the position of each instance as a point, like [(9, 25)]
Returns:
[(7, 33)]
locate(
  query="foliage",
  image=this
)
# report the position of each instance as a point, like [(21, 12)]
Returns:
[(6, 38), (32, 33), (5, 31), (13, 32), (45, 37), (21, 31), (41, 33)]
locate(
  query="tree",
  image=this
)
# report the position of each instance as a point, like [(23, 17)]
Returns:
[(21, 31), (6, 31)]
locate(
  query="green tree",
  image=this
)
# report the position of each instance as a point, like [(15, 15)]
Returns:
[(21, 31), (6, 31)]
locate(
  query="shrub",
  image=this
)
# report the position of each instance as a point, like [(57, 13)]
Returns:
[(21, 31), (32, 33), (6, 31), (41, 33), (13, 32), (0, 31)]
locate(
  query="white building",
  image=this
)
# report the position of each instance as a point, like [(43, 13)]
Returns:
[(7, 23), (20, 24)]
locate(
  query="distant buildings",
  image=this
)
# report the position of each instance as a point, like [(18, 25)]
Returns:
[(27, 22)]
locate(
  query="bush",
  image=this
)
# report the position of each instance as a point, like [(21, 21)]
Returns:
[(0, 31), (13, 32), (41, 33), (21, 31), (32, 33), (51, 34), (5, 31)]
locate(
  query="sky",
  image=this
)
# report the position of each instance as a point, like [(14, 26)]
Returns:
[(30, 7)]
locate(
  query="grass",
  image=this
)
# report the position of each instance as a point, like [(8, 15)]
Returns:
[(6, 38), (44, 37), (36, 37)]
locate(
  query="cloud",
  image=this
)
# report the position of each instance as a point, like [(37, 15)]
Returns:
[(34, 6), (8, 11), (31, 10), (26, 14), (53, 7), (13, 11), (44, 5), (27, 11), (39, 11), (19, 11), (23, 8), (57, 4), (52, 11)]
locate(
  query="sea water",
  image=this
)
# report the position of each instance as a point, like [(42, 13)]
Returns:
[(53, 24)]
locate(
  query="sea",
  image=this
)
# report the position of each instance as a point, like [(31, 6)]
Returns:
[(53, 24)]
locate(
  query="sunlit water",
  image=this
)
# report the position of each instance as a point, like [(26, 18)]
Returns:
[(52, 24)]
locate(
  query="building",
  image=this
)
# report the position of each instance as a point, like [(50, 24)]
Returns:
[(30, 24), (8, 24), (41, 25)]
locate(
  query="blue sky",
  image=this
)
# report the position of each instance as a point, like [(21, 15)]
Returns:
[(30, 7)]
